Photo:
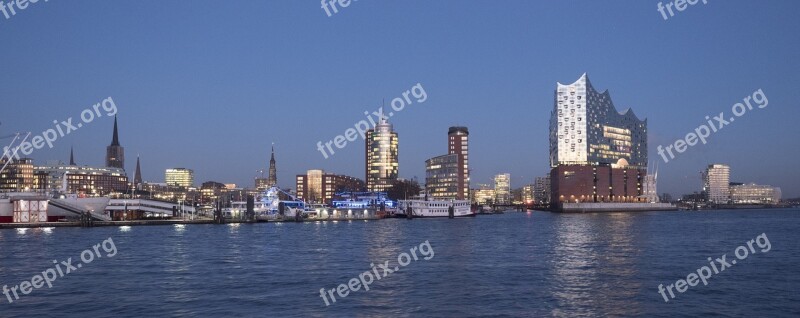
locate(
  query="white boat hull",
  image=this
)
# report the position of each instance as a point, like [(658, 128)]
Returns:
[(433, 209)]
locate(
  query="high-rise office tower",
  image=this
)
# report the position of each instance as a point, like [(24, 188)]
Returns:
[(381, 157), (502, 189), (458, 143), (716, 179)]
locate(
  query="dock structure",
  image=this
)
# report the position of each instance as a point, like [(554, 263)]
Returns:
[(87, 221)]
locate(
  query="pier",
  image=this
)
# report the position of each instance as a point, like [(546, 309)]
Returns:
[(95, 223)]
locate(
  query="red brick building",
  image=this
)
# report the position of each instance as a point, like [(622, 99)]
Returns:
[(596, 183)]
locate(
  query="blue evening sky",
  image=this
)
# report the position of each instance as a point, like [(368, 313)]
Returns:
[(209, 85)]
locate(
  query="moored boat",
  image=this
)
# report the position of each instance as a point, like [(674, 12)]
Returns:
[(435, 208)]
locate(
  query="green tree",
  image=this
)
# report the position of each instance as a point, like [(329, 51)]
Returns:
[(403, 189)]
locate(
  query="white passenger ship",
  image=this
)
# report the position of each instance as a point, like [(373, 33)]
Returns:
[(434, 208), (268, 205)]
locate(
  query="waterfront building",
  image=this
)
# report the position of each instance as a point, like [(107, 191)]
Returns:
[(752, 193), (541, 190), (170, 192), (716, 183), (458, 144), (82, 180), (596, 153), (502, 189), (516, 196), (442, 177), (585, 128), (596, 183), (309, 186), (447, 176), (262, 183), (180, 177), (316, 186), (484, 194), (115, 154), (140, 209), (17, 176), (382, 165), (210, 191), (528, 194)]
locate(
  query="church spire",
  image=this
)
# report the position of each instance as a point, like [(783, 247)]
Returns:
[(137, 177), (115, 140), (273, 171), (115, 154), (71, 157)]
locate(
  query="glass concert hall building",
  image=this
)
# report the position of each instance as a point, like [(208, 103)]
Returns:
[(597, 154)]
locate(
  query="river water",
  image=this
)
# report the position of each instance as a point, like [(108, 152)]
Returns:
[(519, 264)]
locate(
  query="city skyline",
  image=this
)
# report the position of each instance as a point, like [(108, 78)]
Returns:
[(498, 94)]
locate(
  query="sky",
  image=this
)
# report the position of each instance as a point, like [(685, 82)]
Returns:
[(210, 85)]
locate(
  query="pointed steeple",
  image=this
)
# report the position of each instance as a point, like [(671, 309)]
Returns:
[(71, 157), (273, 171), (272, 158), (115, 154), (137, 177), (115, 140)]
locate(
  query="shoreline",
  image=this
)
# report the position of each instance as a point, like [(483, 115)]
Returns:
[(160, 222)]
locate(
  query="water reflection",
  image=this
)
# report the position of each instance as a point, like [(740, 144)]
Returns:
[(179, 228), (594, 265), (574, 266)]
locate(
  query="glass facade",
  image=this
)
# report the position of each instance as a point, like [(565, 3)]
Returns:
[(585, 128), (717, 179), (381, 157), (17, 176), (541, 190), (755, 194), (86, 180), (442, 176), (458, 144), (181, 177), (316, 186), (483, 195), (502, 189)]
